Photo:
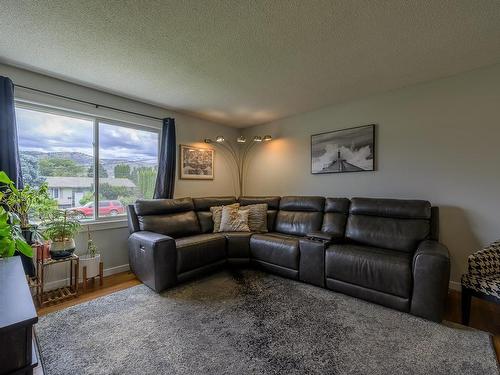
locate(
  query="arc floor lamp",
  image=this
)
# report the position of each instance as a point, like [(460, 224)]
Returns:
[(239, 155)]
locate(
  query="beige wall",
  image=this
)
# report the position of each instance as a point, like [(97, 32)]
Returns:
[(438, 141)]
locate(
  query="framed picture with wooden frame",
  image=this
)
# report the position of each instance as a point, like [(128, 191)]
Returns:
[(196, 163)]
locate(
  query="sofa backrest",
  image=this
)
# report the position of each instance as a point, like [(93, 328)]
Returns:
[(335, 216), (395, 224), (171, 217), (300, 215), (273, 204), (202, 208)]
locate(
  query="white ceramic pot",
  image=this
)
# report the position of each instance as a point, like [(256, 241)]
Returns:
[(66, 245), (92, 264)]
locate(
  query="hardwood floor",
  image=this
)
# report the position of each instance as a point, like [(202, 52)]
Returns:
[(484, 315), (111, 284)]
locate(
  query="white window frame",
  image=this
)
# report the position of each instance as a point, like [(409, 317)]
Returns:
[(96, 222)]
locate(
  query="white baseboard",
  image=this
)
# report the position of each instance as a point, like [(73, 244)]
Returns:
[(107, 272), (455, 286)]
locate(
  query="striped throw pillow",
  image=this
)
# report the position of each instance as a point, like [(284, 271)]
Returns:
[(257, 217)]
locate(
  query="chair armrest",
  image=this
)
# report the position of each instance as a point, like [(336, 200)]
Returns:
[(431, 277), (153, 259), (324, 237), (485, 262)]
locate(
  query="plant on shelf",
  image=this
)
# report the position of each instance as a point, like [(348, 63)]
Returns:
[(90, 260), (11, 238), (26, 202), (18, 204), (60, 227)]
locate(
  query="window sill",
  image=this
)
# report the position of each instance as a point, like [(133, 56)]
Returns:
[(104, 225)]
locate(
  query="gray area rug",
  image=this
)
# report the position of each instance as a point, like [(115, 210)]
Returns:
[(247, 322)]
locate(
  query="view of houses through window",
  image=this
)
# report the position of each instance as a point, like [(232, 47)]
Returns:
[(58, 149)]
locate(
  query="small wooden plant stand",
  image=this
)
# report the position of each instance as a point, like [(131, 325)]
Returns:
[(59, 294), (85, 280)]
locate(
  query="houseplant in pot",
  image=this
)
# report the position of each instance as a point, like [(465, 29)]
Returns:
[(27, 203), (20, 205), (61, 227), (90, 260), (11, 239)]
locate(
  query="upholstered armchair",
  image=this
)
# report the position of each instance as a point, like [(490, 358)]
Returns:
[(482, 279)]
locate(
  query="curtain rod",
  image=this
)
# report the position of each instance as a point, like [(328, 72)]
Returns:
[(89, 103)]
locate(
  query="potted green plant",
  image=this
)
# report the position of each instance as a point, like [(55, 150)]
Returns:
[(26, 202), (11, 239), (91, 259), (61, 227), (19, 203)]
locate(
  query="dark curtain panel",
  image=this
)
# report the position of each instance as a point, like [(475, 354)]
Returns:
[(165, 180), (9, 153)]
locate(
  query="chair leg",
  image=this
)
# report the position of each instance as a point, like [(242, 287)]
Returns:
[(466, 301)]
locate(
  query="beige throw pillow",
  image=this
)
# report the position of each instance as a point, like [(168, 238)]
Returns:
[(217, 215), (257, 217), (234, 220)]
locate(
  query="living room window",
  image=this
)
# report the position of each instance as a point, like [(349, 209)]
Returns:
[(87, 161)]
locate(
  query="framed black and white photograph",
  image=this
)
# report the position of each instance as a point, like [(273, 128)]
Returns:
[(196, 163), (347, 150)]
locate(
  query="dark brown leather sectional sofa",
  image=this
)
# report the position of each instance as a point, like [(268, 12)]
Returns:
[(382, 250)]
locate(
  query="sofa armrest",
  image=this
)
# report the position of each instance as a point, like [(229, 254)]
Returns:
[(153, 259), (324, 237), (431, 276)]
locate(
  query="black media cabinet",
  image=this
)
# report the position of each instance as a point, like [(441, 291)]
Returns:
[(18, 354)]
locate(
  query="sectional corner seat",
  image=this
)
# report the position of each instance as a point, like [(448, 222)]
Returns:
[(381, 250)]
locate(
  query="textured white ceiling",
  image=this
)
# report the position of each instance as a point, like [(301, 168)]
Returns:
[(248, 62)]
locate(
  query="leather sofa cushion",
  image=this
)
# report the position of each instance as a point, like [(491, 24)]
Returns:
[(200, 250), (204, 204), (276, 248), (384, 270), (180, 224), (335, 217), (162, 206), (272, 202), (395, 234), (238, 244), (394, 208), (271, 220), (334, 224), (337, 205), (206, 221), (302, 203), (397, 224), (300, 215), (298, 223)]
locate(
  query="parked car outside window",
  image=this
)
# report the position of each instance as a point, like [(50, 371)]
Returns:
[(106, 208)]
